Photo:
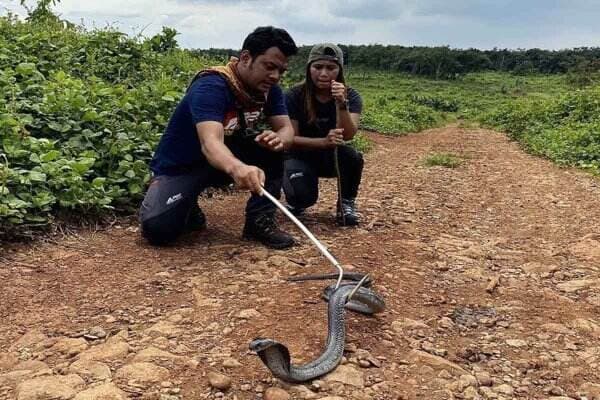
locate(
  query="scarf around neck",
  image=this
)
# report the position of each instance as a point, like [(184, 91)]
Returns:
[(229, 72)]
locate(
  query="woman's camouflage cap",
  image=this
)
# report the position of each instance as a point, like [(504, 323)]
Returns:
[(326, 51)]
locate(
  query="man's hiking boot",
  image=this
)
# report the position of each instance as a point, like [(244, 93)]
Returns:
[(346, 214), (295, 210), (265, 230), (196, 220)]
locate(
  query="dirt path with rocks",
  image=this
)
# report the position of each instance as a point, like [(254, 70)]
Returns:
[(490, 272)]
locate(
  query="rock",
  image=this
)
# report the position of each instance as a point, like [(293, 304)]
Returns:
[(538, 268), (91, 370), (145, 373), (31, 340), (164, 328), (248, 314), (586, 326), (276, 394), (70, 347), (332, 398), (577, 284), (471, 393), (555, 328), (588, 248), (13, 378), (591, 390), (219, 381), (347, 375), (465, 381), (504, 389), (31, 365), (56, 387), (408, 324), (417, 356), (516, 343), (231, 363), (7, 361), (446, 323), (303, 392), (109, 351), (107, 391), (483, 378), (151, 354), (95, 332)]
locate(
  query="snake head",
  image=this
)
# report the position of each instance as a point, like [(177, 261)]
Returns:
[(261, 344)]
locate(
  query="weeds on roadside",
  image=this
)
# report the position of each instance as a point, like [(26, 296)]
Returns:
[(447, 160)]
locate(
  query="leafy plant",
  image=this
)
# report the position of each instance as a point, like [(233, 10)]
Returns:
[(447, 160)]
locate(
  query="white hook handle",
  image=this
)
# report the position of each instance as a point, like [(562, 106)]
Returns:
[(304, 229)]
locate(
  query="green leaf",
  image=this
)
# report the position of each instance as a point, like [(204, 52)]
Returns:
[(98, 182), (36, 176), (50, 156)]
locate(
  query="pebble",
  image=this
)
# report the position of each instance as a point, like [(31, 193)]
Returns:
[(219, 381), (276, 394)]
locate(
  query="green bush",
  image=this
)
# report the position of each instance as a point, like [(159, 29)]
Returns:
[(80, 115)]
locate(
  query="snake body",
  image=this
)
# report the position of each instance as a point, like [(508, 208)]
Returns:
[(276, 356)]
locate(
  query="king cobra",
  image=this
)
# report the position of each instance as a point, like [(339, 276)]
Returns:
[(276, 356)]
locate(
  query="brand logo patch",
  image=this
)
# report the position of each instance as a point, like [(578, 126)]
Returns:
[(174, 198)]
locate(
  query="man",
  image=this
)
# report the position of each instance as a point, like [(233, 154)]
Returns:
[(212, 139)]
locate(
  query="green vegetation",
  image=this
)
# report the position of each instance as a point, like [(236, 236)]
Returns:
[(565, 129), (81, 111), (398, 103), (80, 114), (447, 160)]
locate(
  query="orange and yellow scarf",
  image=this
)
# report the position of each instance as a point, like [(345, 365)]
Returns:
[(245, 99)]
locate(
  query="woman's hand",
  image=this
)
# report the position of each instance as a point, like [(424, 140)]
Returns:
[(338, 92), (334, 137)]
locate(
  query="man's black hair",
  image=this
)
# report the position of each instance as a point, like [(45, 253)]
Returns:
[(265, 37)]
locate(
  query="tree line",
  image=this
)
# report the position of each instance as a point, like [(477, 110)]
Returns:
[(443, 62)]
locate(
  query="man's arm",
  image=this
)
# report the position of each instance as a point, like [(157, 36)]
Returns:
[(211, 137)]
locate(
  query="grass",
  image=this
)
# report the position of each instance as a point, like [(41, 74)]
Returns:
[(447, 160)]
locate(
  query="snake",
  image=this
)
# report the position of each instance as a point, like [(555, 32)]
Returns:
[(276, 356)]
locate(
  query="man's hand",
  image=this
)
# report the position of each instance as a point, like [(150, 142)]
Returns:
[(338, 92), (248, 177), (334, 137), (270, 140)]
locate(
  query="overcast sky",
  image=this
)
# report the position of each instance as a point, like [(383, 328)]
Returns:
[(484, 24)]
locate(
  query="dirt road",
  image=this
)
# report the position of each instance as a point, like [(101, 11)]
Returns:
[(490, 271)]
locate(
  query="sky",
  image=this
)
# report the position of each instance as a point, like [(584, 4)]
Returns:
[(484, 24)]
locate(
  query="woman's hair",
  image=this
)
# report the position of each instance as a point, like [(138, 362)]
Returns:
[(309, 93)]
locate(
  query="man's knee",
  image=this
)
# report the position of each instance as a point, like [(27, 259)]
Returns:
[(164, 228)]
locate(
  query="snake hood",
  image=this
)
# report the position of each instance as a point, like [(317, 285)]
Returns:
[(276, 356)]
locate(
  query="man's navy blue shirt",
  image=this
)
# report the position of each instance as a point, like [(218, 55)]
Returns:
[(208, 99)]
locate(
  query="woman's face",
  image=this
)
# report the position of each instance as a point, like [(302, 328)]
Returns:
[(322, 72)]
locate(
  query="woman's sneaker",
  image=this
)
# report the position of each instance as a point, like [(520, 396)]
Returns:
[(346, 214), (265, 230)]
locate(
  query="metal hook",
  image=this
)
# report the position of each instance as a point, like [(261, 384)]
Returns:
[(358, 285)]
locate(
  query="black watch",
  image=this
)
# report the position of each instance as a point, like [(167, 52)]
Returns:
[(344, 105)]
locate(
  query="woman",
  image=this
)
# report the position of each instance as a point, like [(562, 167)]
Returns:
[(324, 114)]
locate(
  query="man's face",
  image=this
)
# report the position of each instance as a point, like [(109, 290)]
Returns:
[(264, 71)]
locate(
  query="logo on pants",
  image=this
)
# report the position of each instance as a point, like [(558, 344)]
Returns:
[(174, 198)]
